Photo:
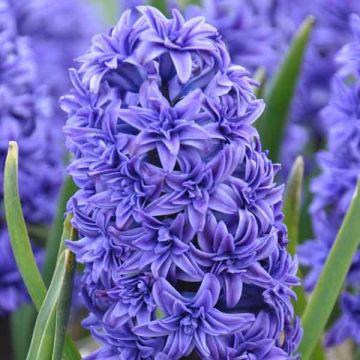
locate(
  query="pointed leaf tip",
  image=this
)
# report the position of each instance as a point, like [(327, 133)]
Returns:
[(13, 146)]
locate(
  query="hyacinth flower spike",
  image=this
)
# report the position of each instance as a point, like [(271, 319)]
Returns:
[(180, 222)]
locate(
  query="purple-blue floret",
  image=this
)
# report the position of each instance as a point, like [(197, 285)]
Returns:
[(25, 116), (333, 189), (180, 220)]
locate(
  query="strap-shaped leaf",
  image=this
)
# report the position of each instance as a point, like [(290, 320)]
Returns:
[(19, 238), (64, 303), (42, 343), (278, 99), (292, 203), (22, 322), (292, 212), (20, 241), (55, 236), (332, 278)]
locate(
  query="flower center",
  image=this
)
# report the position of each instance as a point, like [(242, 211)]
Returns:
[(189, 324), (166, 121)]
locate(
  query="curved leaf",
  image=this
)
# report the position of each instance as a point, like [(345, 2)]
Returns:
[(19, 238), (20, 241)]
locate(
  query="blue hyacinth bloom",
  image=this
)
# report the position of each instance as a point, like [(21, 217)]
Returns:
[(180, 220)]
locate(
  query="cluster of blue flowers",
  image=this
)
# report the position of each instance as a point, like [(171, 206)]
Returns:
[(25, 116), (334, 187), (180, 220)]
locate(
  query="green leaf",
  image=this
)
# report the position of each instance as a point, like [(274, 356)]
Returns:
[(20, 242), (64, 303), (42, 343), (332, 278), (38, 233), (272, 124), (319, 352), (55, 238), (17, 230), (260, 77), (292, 212), (292, 203), (25, 321), (22, 322)]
